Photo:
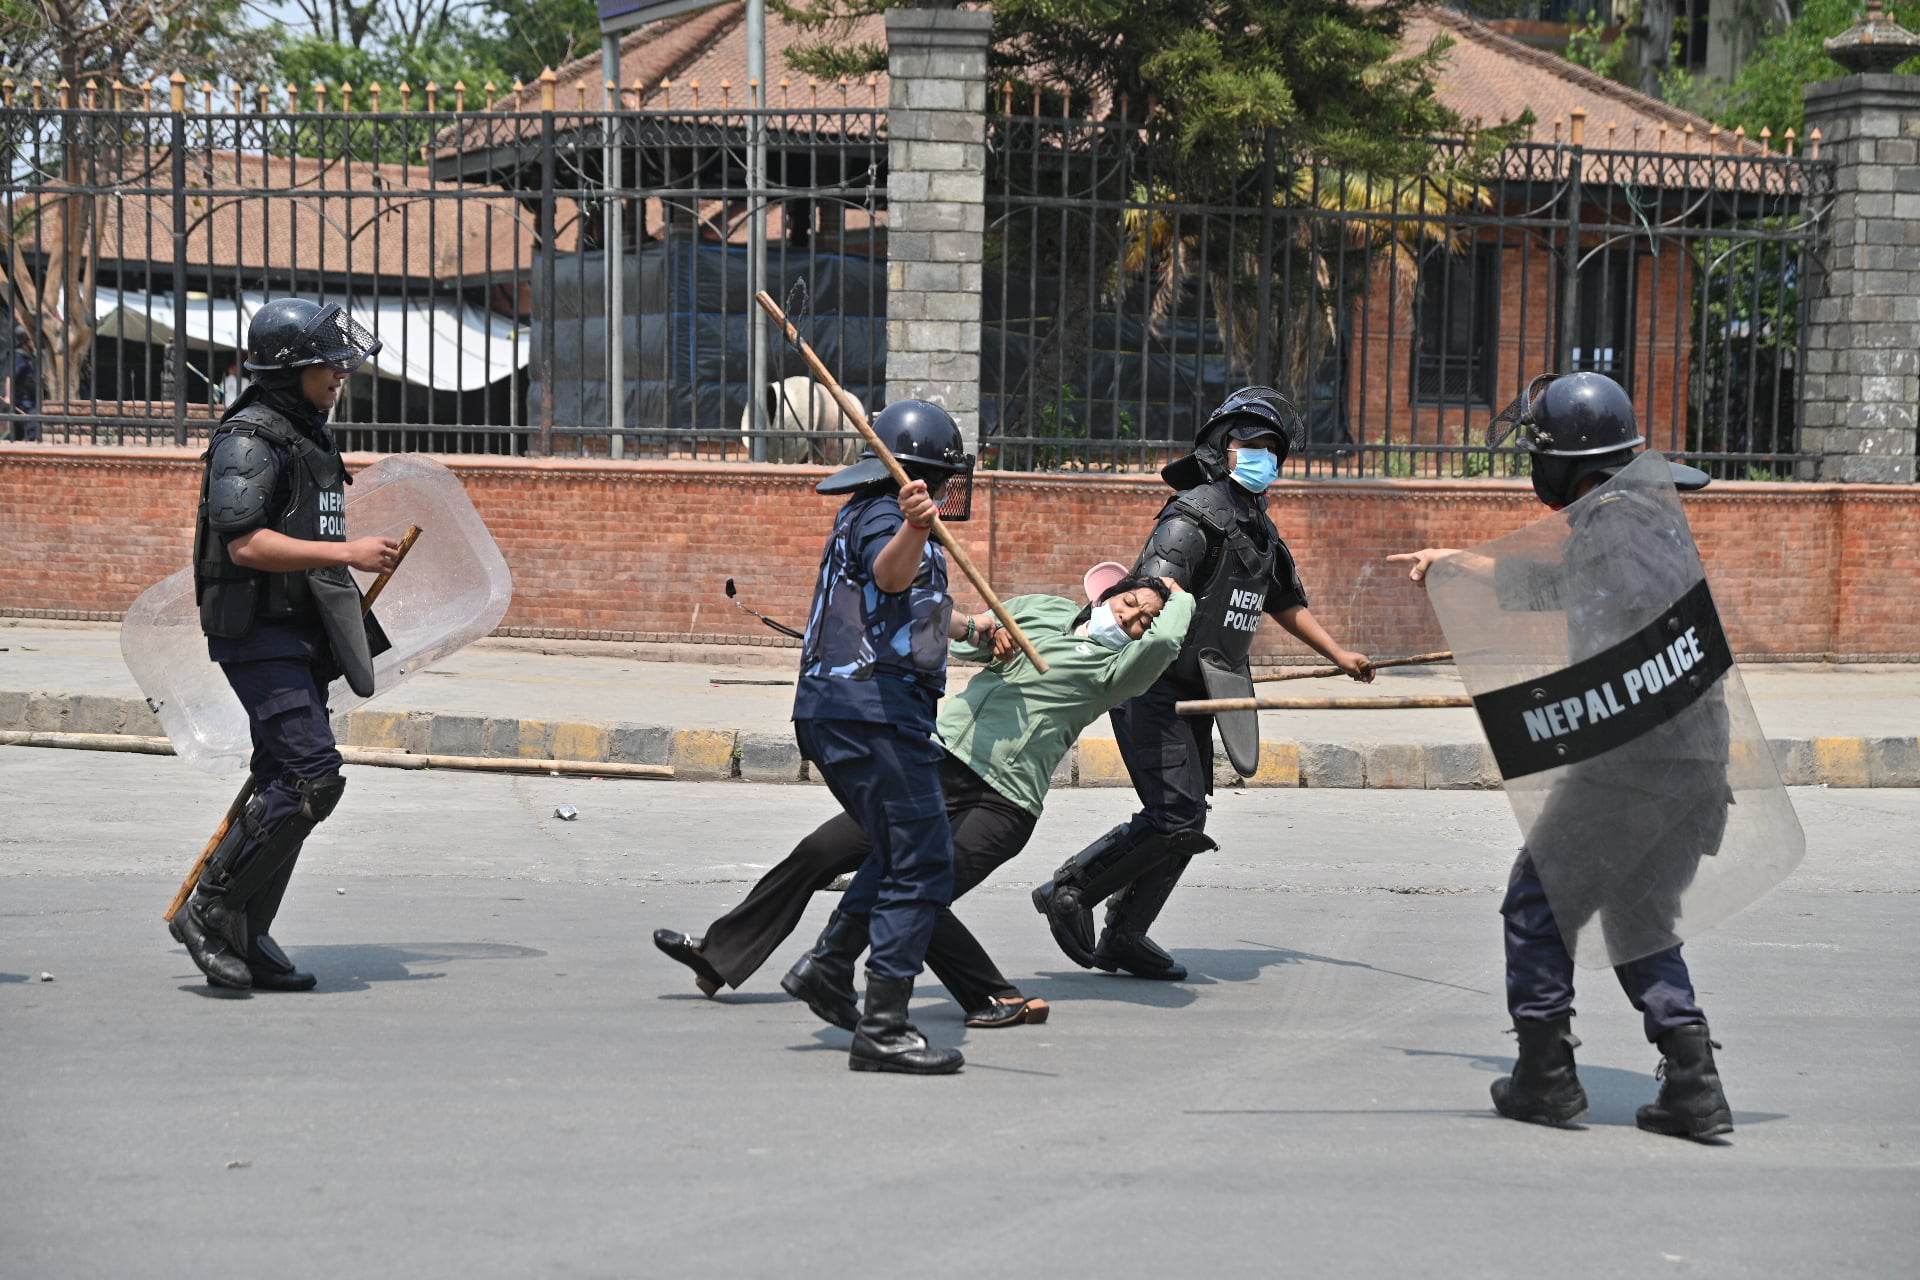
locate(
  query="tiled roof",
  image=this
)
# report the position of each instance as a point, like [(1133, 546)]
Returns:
[(1491, 77), (1487, 76), (707, 49), (255, 213)]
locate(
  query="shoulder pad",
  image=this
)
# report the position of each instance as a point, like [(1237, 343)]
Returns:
[(269, 423), (242, 470), (1207, 505)]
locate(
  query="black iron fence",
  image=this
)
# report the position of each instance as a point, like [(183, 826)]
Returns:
[(519, 267), (482, 250), (1125, 297)]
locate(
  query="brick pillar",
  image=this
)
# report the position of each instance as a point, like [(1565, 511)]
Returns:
[(936, 207), (1862, 376)]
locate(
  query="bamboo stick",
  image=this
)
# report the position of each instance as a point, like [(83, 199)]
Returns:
[(1397, 702), (1321, 673), (373, 757), (855, 414)]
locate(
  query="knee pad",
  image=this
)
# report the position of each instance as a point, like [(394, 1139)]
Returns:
[(318, 796)]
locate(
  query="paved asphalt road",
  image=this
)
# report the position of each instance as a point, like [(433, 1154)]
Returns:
[(501, 1077)]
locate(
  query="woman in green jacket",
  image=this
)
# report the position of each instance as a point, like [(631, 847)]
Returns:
[(1004, 735)]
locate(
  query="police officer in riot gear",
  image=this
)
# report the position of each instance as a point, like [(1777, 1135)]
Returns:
[(1215, 539), (1579, 430), (872, 668), (282, 618)]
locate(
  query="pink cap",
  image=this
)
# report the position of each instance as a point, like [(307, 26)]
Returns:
[(1100, 579)]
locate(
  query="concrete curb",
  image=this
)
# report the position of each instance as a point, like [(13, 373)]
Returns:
[(716, 755)]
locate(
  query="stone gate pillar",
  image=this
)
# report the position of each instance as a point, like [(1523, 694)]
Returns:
[(1861, 401), (936, 207)]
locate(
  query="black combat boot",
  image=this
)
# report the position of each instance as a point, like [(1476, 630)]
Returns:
[(1124, 944), (885, 1041), (1544, 1088), (273, 971), (1128, 852), (1691, 1103), (823, 978), (269, 965), (192, 929)]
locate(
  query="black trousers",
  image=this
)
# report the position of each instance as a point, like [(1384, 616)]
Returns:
[(286, 702), (1168, 756), (988, 830)]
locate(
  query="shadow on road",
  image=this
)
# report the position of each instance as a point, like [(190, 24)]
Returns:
[(1613, 1095), (1287, 955), (1060, 986), (356, 966), (13, 977)]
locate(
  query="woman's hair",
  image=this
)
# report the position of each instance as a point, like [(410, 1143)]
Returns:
[(1136, 582), (1132, 582)]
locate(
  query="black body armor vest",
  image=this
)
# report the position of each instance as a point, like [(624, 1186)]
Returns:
[(233, 598), (1231, 597)]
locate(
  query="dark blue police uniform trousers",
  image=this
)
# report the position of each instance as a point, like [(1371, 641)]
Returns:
[(1169, 757), (889, 780), (1540, 969), (286, 702)]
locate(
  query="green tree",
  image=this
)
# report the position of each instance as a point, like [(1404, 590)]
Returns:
[(524, 37), (49, 252), (1328, 75), (1214, 91), (1767, 92)]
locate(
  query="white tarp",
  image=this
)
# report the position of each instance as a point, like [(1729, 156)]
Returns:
[(435, 344)]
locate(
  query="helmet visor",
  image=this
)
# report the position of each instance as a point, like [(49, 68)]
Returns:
[(956, 500), (338, 341)]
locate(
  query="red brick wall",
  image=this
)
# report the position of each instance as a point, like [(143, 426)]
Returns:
[(1380, 372), (639, 550)]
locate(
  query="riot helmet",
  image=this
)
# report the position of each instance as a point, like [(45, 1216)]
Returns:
[(926, 441), (1575, 426), (293, 333), (1246, 414)]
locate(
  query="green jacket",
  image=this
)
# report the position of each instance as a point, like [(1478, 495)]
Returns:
[(1011, 725)]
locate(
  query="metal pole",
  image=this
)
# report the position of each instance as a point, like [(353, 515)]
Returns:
[(615, 255), (544, 296), (757, 221), (1570, 261), (178, 142)]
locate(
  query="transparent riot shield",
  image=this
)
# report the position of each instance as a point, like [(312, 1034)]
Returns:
[(1646, 793), (453, 588)]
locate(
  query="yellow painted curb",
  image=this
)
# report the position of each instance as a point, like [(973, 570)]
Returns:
[(1279, 765), (575, 741), (1840, 762), (378, 729), (1100, 764), (702, 753), (533, 741)]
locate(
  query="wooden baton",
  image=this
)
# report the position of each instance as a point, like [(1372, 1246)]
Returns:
[(855, 414), (1405, 702), (1321, 673), (239, 804)]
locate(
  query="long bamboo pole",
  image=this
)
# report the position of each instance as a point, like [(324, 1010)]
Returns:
[(377, 757), (1405, 702), (239, 804), (1321, 673), (855, 414)]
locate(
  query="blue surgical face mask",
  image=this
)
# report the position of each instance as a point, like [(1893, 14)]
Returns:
[(1103, 629), (1256, 469)]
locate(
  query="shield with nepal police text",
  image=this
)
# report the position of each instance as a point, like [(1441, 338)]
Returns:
[(1646, 793)]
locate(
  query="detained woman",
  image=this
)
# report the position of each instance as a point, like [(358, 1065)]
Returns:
[(1003, 737)]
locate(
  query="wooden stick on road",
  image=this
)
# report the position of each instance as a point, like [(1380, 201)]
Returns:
[(239, 804), (855, 414), (1321, 673), (1402, 702)]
